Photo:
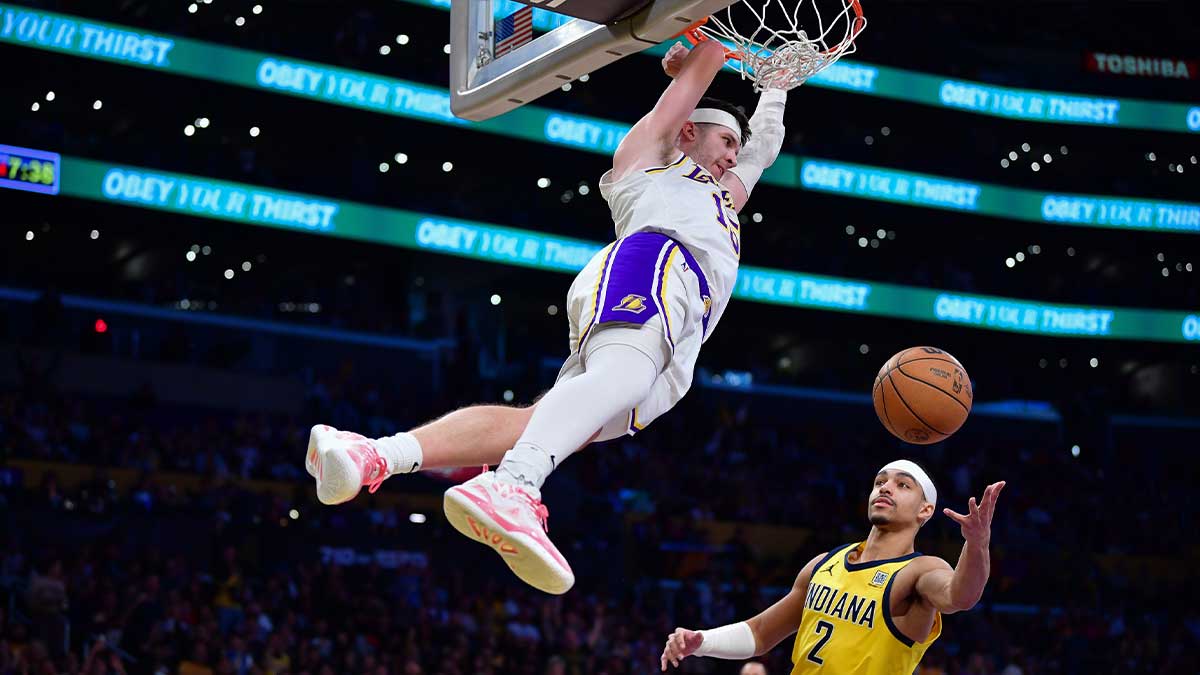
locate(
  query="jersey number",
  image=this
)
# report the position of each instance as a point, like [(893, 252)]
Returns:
[(826, 628), (729, 223)]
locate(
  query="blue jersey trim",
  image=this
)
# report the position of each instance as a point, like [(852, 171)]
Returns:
[(887, 613)]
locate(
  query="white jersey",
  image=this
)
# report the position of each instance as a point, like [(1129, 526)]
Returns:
[(683, 201)]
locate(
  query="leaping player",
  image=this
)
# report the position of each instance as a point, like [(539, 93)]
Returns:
[(869, 608), (639, 312)]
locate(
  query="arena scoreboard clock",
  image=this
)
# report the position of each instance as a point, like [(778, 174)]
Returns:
[(29, 170)]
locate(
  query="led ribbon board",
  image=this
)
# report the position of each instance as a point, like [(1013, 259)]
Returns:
[(409, 100), (253, 205), (867, 182)]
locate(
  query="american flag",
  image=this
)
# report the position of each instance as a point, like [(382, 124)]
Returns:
[(514, 31)]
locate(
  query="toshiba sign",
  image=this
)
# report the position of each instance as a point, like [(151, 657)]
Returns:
[(1141, 66)]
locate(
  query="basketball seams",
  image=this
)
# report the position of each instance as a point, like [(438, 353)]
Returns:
[(917, 379), (887, 419), (952, 362), (945, 356), (914, 412)]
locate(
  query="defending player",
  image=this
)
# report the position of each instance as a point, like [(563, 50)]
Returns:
[(869, 608), (639, 312)]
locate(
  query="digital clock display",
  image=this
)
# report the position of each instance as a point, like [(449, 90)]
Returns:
[(29, 170)]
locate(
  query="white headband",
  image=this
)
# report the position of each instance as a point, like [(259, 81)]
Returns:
[(918, 473), (714, 116)]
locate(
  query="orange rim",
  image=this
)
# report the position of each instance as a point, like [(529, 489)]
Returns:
[(860, 22), (690, 28), (694, 36)]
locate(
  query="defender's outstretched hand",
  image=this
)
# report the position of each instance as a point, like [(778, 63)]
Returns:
[(682, 643), (977, 524)]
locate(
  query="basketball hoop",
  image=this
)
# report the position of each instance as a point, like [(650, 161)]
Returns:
[(769, 46)]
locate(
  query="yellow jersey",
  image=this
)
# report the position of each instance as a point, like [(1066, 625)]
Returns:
[(847, 626)]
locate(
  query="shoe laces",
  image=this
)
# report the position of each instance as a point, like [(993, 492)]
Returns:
[(375, 467), (381, 474), (539, 509)]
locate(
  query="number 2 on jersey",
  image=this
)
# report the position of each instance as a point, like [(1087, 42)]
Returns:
[(826, 628), (729, 223)]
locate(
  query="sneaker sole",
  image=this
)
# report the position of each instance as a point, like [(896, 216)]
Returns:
[(310, 454), (519, 551), (339, 472)]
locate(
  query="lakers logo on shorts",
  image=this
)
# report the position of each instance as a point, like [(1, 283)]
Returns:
[(707, 305), (635, 304)]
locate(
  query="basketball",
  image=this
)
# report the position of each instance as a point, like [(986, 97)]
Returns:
[(922, 395)]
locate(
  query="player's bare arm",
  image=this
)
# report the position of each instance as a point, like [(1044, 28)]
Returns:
[(766, 134), (779, 621), (772, 626), (651, 141), (959, 589)]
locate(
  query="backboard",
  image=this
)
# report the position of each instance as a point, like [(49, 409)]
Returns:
[(482, 86)]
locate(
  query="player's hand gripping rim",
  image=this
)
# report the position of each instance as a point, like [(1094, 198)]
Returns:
[(672, 63)]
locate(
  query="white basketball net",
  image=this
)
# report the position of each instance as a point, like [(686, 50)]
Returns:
[(778, 53)]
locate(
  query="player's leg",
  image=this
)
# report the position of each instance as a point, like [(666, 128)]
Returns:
[(622, 363), (483, 434), (503, 509), (480, 434), (342, 462), (625, 298), (472, 436)]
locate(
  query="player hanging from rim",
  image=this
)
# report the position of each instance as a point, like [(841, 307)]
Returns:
[(869, 608), (638, 312)]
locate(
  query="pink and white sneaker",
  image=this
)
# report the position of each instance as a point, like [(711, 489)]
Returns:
[(512, 522), (343, 462)]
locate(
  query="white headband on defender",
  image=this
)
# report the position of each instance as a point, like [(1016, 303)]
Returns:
[(917, 473), (714, 116)]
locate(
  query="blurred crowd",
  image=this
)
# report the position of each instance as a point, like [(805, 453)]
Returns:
[(220, 578), (231, 613)]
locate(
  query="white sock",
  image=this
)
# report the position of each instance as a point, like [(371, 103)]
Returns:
[(526, 465), (402, 452), (618, 376)]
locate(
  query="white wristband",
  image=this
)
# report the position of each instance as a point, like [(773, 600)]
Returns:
[(766, 139), (735, 641)]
